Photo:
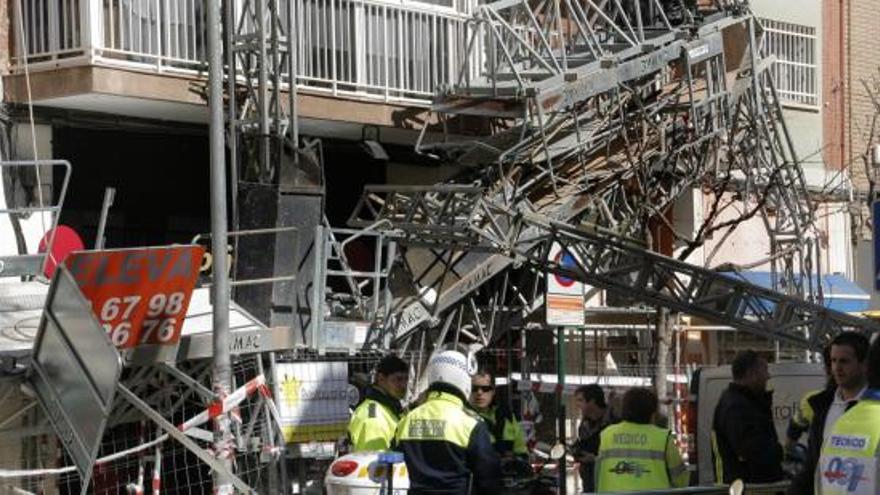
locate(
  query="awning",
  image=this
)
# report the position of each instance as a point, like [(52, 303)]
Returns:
[(840, 293)]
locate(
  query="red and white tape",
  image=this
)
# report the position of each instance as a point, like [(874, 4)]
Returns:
[(227, 404), (157, 471)]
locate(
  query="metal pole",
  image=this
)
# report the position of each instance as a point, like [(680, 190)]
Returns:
[(293, 61), (229, 26), (264, 155), (663, 333), (109, 194), (222, 372), (560, 405)]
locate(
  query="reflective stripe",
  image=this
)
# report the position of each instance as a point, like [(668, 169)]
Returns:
[(677, 470), (634, 454), (716, 455)]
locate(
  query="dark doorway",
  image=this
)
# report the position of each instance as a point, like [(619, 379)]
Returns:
[(347, 169), (161, 180)]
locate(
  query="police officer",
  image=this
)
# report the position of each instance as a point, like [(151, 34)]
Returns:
[(849, 462), (446, 446), (507, 434), (635, 455), (375, 419), (805, 414)]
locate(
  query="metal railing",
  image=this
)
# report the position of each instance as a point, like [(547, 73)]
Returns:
[(32, 201), (375, 49)]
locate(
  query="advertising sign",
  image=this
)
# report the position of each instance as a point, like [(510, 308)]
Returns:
[(564, 301), (140, 296), (312, 400)]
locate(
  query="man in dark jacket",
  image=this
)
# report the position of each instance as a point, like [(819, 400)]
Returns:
[(745, 444), (849, 370), (595, 417)]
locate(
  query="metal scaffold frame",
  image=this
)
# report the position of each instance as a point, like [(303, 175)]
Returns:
[(603, 261), (259, 60), (603, 115)]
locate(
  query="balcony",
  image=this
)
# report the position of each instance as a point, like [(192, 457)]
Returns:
[(392, 52)]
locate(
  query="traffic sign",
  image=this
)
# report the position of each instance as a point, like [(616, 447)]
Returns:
[(62, 240), (564, 300)]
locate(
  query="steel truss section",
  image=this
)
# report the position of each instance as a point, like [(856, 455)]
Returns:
[(259, 61), (627, 269)]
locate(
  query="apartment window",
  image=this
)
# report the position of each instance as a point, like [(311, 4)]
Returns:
[(794, 72)]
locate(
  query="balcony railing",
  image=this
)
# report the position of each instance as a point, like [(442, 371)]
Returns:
[(375, 49)]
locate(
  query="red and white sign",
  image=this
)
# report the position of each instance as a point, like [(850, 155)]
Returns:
[(139, 295), (564, 301)]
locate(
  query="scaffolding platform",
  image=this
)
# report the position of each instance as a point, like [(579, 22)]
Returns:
[(21, 307)]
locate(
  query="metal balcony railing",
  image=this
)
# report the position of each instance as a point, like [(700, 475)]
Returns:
[(375, 49)]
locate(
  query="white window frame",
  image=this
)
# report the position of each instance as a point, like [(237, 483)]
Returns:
[(795, 72)]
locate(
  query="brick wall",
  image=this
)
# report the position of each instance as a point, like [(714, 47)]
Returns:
[(833, 79), (863, 54), (5, 33)]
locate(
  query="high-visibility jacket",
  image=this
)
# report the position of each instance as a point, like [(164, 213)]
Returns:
[(800, 421), (507, 434), (636, 457), (374, 421), (447, 447), (849, 462)]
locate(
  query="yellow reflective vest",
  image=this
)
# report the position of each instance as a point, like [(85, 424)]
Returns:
[(849, 462), (507, 434), (805, 413), (800, 421), (636, 457), (374, 422)]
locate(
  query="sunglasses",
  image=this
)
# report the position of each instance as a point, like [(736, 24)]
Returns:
[(482, 388)]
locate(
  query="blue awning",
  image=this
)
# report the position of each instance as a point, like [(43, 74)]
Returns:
[(840, 293)]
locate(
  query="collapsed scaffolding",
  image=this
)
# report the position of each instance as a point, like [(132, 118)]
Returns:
[(602, 119), (600, 116)]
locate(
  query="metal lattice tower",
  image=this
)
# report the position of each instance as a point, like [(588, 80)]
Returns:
[(259, 61)]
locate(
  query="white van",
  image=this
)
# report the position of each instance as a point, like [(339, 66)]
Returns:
[(789, 382)]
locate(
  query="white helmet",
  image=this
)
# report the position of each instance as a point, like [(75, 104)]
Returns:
[(453, 368)]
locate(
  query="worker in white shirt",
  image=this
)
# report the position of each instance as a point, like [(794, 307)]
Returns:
[(848, 360)]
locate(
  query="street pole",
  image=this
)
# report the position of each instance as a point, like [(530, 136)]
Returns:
[(560, 402), (662, 336), (222, 373)]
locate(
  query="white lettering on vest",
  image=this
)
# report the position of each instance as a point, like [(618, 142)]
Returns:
[(630, 438), (848, 442), (427, 428)]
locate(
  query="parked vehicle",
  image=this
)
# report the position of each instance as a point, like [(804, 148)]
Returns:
[(362, 473)]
